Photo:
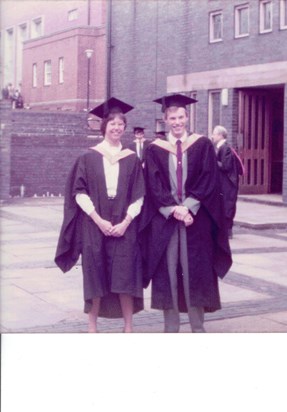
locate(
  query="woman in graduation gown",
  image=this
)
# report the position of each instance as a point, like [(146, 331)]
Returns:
[(103, 198)]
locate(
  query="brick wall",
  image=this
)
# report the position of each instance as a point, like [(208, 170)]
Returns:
[(285, 149), (5, 153), (43, 149), (38, 149)]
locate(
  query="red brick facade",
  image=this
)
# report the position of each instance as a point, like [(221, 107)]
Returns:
[(37, 31), (69, 45)]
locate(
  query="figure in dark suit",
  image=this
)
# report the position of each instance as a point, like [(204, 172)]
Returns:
[(140, 143), (230, 167)]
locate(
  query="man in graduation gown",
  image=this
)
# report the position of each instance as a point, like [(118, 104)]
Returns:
[(184, 239), (103, 197), (230, 168), (140, 143)]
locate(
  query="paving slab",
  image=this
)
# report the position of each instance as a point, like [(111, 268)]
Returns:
[(260, 216), (36, 297), (270, 267)]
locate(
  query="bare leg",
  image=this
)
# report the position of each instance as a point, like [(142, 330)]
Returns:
[(127, 309), (93, 315)]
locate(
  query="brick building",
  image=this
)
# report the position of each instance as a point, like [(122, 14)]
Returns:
[(44, 48), (230, 55)]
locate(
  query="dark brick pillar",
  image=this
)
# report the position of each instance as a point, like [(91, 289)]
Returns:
[(5, 149), (284, 184)]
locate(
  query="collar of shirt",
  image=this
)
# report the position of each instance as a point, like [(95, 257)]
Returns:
[(111, 149), (220, 143), (173, 139)]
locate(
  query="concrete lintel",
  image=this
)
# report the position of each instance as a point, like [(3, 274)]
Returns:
[(243, 76)]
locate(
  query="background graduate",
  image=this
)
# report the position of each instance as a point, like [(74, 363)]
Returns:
[(104, 196), (185, 242), (140, 143)]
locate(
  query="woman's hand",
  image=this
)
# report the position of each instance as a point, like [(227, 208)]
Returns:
[(119, 229), (104, 225)]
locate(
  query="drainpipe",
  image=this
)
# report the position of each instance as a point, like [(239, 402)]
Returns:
[(109, 47), (89, 12)]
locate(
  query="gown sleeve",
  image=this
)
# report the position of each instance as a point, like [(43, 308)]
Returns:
[(69, 243)]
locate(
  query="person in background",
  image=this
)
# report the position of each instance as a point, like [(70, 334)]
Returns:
[(103, 199), (160, 135), (140, 143), (230, 168), (5, 93), (184, 240)]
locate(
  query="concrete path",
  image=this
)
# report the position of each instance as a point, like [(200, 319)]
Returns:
[(36, 297)]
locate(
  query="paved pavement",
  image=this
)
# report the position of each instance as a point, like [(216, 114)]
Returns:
[(36, 297)]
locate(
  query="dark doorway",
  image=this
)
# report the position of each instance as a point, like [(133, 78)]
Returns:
[(261, 139)]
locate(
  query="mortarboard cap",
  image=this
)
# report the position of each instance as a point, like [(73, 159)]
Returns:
[(161, 133), (178, 100), (111, 105), (139, 128)]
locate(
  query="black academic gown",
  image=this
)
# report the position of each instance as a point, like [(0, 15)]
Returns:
[(208, 250), (230, 169), (133, 147), (110, 265)]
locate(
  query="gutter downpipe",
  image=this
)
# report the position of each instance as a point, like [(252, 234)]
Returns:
[(109, 48)]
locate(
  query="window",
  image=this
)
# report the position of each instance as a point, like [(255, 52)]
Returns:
[(242, 21), (215, 26), (73, 15), (36, 28), (22, 32), (265, 16), (9, 50), (283, 14), (61, 70), (47, 73), (214, 110), (34, 75), (22, 35)]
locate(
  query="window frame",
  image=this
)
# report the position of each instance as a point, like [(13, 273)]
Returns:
[(34, 23), (47, 74), (283, 14), (61, 70), (34, 75), (72, 15), (262, 3), (237, 9), (212, 14)]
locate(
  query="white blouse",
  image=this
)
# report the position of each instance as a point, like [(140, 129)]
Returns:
[(111, 175)]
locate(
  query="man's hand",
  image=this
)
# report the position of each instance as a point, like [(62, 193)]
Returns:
[(188, 220), (180, 212)]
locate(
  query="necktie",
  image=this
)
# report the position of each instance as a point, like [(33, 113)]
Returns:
[(179, 169)]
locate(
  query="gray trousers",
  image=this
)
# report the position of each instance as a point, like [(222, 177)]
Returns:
[(177, 251)]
